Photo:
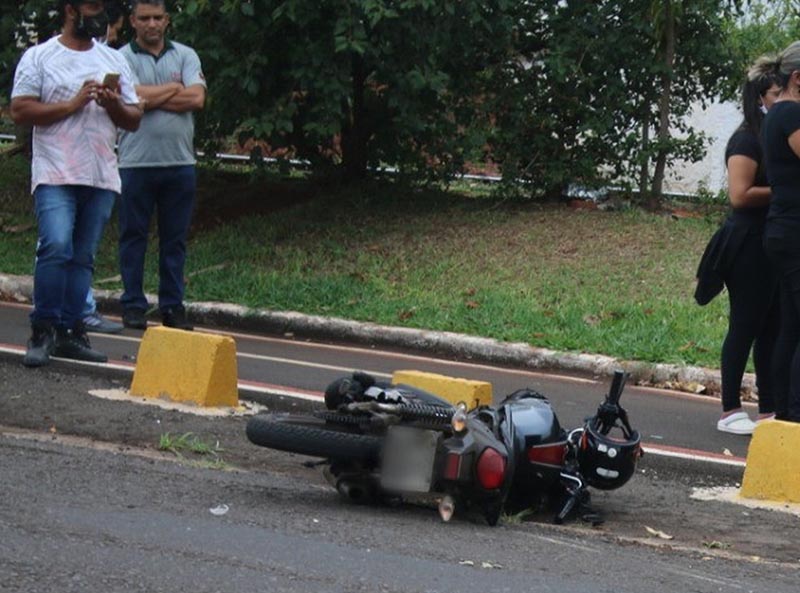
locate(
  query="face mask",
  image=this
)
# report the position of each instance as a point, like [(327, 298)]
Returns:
[(89, 27), (763, 109)]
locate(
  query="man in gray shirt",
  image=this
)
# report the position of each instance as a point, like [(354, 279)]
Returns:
[(157, 164)]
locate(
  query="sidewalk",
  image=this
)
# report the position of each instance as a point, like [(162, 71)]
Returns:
[(460, 346)]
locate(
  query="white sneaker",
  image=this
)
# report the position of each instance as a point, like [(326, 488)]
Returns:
[(769, 418), (738, 423)]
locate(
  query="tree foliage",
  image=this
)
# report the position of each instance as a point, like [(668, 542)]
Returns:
[(554, 92), (583, 103), (22, 23), (361, 82), (767, 27)]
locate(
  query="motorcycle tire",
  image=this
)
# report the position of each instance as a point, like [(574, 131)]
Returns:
[(311, 436)]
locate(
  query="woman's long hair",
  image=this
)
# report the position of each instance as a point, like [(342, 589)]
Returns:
[(753, 91)]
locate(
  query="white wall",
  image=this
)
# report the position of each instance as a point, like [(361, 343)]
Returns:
[(718, 122)]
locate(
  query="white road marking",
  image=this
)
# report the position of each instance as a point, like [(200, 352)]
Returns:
[(303, 363)]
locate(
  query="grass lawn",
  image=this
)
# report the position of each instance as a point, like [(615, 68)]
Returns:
[(617, 283)]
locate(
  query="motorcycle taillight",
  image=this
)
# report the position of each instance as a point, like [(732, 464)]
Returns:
[(550, 454), (452, 466), (491, 469)]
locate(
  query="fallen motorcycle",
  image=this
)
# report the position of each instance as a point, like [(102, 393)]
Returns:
[(389, 442)]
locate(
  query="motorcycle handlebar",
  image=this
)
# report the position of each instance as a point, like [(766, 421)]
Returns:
[(617, 385)]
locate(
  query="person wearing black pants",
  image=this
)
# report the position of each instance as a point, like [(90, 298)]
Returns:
[(735, 256), (754, 321), (781, 141), (786, 364)]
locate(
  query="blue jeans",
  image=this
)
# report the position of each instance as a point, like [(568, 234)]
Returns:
[(71, 220), (169, 191)]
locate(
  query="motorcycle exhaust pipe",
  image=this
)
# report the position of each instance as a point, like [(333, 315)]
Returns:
[(447, 506)]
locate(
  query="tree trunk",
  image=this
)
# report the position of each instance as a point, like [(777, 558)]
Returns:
[(667, 56), (354, 133), (644, 172)]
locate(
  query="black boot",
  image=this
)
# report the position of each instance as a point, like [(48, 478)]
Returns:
[(176, 317), (41, 344), (74, 344)]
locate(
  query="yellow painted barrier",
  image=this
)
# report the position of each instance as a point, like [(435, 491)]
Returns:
[(186, 366), (454, 390), (773, 463)]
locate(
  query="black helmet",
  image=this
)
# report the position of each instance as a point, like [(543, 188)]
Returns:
[(606, 462)]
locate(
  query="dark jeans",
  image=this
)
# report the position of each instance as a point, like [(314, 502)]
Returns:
[(754, 322), (170, 192), (71, 220), (785, 256)]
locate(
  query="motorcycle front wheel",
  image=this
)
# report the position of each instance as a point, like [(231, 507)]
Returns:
[(311, 436)]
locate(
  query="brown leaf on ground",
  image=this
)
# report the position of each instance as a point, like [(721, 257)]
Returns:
[(405, 314), (686, 386), (657, 533), (472, 304)]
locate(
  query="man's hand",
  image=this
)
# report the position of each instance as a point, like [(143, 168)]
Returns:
[(88, 92), (105, 96)]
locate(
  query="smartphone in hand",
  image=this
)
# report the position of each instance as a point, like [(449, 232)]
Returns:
[(111, 80)]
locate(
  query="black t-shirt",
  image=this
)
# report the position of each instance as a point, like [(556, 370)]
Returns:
[(783, 169), (745, 142)]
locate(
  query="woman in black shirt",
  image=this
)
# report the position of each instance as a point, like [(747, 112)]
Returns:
[(743, 264), (781, 141)]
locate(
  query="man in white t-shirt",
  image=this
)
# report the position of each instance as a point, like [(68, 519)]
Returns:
[(62, 89)]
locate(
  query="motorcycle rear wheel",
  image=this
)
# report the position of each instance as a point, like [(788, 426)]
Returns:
[(311, 436)]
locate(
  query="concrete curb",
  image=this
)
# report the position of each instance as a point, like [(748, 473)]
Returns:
[(473, 348)]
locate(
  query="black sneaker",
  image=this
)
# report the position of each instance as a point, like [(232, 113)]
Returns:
[(134, 318), (176, 317), (40, 346), (74, 344)]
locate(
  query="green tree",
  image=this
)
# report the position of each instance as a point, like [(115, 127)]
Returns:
[(595, 79), (356, 83), (765, 28), (22, 23)]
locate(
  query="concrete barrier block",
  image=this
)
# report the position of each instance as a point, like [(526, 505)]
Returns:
[(773, 463), (454, 390), (186, 366)]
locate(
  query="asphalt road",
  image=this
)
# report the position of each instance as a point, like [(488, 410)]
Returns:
[(88, 503), (670, 422), (75, 517)]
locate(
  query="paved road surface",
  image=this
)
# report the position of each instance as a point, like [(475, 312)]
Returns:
[(77, 519)]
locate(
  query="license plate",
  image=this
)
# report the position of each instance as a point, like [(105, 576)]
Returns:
[(408, 456)]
